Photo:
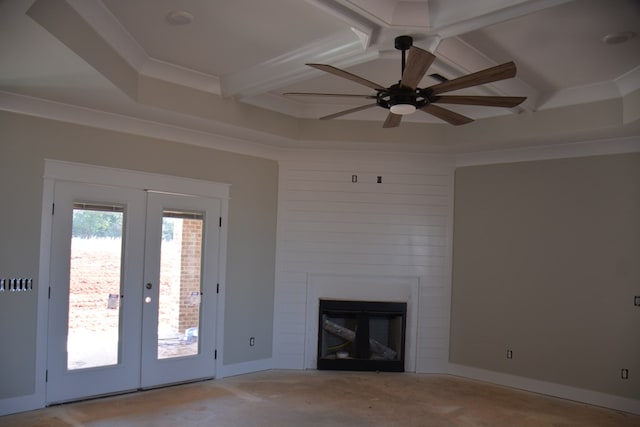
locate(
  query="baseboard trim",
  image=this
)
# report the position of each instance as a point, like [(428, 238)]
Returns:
[(245, 368), (551, 389), (35, 401), (13, 405)]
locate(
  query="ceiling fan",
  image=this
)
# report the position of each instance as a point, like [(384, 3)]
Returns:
[(405, 97)]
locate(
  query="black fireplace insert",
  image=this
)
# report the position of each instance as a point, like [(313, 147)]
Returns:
[(361, 335)]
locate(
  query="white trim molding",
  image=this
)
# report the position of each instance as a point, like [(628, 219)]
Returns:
[(218, 136), (559, 151), (255, 144), (245, 368), (551, 389), (79, 172)]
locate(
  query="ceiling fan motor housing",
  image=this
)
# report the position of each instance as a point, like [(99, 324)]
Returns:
[(398, 94)]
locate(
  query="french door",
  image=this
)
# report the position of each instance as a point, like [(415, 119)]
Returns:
[(178, 310), (133, 290)]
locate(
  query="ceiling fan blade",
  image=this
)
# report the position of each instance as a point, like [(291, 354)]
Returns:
[(392, 120), (349, 111), (346, 75), (335, 95), (418, 62), (488, 101), (446, 115), (499, 72)]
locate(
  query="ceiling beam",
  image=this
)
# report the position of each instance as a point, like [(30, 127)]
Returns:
[(341, 49), (457, 58), (450, 18)]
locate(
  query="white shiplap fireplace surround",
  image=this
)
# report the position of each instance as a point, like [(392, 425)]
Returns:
[(361, 288), (366, 240)]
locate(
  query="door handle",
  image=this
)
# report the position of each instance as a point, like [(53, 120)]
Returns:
[(148, 286)]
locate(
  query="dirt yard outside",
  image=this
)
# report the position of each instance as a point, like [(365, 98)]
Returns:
[(94, 318)]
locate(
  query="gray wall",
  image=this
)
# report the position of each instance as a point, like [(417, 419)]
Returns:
[(24, 144), (546, 263)]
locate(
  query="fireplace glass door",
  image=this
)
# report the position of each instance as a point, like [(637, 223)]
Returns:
[(361, 335)]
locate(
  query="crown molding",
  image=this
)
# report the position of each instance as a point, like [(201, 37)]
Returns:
[(259, 144), (253, 143), (557, 151), (120, 123)]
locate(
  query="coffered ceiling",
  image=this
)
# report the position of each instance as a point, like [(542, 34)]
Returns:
[(222, 67)]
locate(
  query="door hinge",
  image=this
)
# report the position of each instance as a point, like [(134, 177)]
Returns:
[(53, 208), (217, 288), (46, 376), (220, 223), (49, 296), (215, 355)]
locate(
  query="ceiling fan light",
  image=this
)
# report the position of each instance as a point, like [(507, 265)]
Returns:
[(403, 109)]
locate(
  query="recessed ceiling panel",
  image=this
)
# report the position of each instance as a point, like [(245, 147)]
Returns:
[(224, 36), (562, 47)]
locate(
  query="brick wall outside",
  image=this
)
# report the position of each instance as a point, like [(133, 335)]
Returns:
[(190, 268)]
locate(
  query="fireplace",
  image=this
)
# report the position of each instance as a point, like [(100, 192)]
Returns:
[(361, 335)]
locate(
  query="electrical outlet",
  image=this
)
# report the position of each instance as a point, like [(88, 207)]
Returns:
[(379, 180), (354, 178), (624, 374), (509, 354), (636, 300), (252, 341)]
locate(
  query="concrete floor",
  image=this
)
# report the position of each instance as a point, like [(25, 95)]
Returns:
[(323, 398)]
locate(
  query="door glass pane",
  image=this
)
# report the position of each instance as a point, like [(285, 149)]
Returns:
[(180, 285), (94, 286)]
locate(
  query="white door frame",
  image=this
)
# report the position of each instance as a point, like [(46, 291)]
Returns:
[(56, 170)]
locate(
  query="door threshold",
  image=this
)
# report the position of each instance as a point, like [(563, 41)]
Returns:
[(196, 380), (94, 397), (130, 391)]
